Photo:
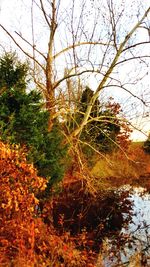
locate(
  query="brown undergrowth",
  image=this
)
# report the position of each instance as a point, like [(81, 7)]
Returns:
[(89, 217), (66, 230), (28, 236)]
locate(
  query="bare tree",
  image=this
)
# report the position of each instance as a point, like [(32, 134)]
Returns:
[(86, 38)]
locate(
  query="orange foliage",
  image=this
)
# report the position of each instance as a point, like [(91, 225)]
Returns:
[(25, 238), (58, 250), (19, 183), (123, 137), (141, 159)]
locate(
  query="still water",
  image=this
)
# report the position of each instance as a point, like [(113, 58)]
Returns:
[(134, 236)]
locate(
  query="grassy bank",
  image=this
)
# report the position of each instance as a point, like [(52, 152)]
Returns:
[(122, 167)]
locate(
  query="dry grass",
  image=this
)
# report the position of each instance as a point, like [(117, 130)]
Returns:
[(118, 168)]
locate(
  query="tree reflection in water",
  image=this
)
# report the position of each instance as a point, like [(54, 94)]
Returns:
[(131, 245), (115, 222)]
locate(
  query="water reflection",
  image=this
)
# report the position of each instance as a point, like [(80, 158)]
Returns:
[(134, 237), (116, 223)]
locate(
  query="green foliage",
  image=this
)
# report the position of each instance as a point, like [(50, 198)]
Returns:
[(24, 121), (48, 153), (13, 73), (18, 112), (146, 145)]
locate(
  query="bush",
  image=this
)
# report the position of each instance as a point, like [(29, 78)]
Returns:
[(25, 240), (19, 184)]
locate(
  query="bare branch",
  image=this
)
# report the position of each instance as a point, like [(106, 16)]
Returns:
[(109, 71), (17, 44), (77, 45), (134, 45), (44, 13), (128, 91), (74, 75), (33, 46), (89, 45), (97, 151), (132, 58)]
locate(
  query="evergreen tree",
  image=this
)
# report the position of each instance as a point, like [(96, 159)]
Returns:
[(24, 121), (104, 127), (13, 73)]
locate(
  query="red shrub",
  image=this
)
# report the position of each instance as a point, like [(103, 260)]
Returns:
[(19, 183)]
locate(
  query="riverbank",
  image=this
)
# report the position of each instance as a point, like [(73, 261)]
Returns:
[(94, 209), (119, 168)]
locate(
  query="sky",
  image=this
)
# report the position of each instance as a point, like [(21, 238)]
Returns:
[(10, 17)]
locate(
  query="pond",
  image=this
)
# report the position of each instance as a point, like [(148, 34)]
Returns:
[(133, 239), (114, 224)]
